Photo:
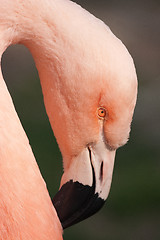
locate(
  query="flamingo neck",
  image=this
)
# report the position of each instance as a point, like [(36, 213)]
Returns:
[(42, 27), (26, 211)]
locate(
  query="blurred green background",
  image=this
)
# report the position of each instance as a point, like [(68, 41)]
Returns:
[(132, 210)]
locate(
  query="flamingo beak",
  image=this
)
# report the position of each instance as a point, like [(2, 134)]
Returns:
[(85, 184)]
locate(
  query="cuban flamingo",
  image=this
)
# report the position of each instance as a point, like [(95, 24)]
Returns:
[(89, 86)]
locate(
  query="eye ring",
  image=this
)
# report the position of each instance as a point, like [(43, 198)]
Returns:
[(101, 112)]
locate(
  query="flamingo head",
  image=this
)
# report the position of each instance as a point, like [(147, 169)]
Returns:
[(93, 118), (90, 104)]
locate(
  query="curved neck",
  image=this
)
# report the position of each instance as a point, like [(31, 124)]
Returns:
[(33, 24), (30, 23), (25, 207), (44, 28)]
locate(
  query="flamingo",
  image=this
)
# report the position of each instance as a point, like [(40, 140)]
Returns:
[(89, 86)]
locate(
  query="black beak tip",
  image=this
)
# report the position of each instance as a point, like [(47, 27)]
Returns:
[(75, 202)]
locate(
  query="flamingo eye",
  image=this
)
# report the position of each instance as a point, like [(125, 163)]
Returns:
[(102, 112)]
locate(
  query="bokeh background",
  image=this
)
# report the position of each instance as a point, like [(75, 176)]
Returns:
[(132, 210)]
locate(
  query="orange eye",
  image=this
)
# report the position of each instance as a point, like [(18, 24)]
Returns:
[(101, 112)]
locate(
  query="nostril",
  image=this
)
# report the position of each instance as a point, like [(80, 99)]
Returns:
[(101, 172), (89, 153)]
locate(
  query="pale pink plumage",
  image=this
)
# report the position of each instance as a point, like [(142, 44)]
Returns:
[(82, 66)]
